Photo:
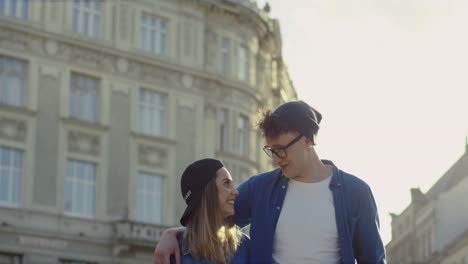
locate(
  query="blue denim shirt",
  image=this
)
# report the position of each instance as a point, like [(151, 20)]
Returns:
[(241, 256), (261, 198)]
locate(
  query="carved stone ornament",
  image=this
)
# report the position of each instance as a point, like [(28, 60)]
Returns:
[(187, 81), (210, 109), (187, 103), (92, 59), (122, 65), (152, 156), (89, 58), (121, 88), (17, 41), (12, 129), (83, 143), (51, 47)]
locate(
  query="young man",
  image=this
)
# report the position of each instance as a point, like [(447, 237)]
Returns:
[(307, 210)]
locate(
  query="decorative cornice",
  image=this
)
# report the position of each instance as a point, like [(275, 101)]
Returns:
[(85, 124), (134, 65), (17, 110), (242, 13), (154, 139)]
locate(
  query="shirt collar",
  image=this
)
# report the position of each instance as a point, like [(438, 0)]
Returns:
[(335, 180), (334, 183)]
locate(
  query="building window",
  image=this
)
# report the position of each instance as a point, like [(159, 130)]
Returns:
[(243, 134), (149, 195), (84, 97), (80, 188), (7, 258), (225, 58), (274, 74), (154, 34), (15, 8), (11, 171), (13, 75), (153, 107), (87, 17), (243, 64), (223, 129)]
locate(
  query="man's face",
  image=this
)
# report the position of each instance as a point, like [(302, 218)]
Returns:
[(292, 163)]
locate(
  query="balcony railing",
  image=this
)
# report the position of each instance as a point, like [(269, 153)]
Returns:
[(129, 232)]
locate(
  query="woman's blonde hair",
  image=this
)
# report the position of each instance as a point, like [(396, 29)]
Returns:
[(209, 234)]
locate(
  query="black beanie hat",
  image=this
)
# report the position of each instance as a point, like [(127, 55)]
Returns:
[(299, 116), (194, 179)]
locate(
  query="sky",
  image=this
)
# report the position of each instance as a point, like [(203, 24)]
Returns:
[(390, 79)]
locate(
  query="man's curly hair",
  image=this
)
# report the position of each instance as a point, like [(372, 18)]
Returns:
[(270, 125)]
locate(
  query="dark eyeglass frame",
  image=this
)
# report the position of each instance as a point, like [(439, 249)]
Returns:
[(280, 152)]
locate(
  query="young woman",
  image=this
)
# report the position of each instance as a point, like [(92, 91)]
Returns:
[(210, 235)]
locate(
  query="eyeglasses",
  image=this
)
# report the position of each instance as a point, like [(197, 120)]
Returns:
[(281, 151)]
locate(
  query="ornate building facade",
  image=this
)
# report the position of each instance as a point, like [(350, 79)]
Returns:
[(433, 229), (102, 105)]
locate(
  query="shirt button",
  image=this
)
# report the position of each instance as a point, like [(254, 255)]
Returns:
[(277, 208), (284, 186)]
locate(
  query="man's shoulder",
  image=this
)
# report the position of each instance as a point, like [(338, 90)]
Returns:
[(342, 177), (266, 176), (242, 254), (353, 181)]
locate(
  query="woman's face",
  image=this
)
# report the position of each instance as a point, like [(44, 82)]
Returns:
[(226, 192)]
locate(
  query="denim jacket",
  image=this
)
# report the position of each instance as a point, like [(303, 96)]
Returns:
[(241, 256), (261, 198)]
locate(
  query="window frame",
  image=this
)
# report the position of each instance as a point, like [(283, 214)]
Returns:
[(75, 108), (159, 107), (11, 168), (243, 67), (21, 8), (223, 122), (13, 257), (75, 180), (7, 73), (151, 28), (88, 27), (225, 57), (243, 135), (153, 197)]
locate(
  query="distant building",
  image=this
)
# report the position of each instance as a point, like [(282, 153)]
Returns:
[(434, 227), (103, 103)]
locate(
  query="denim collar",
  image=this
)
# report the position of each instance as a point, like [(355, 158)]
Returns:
[(335, 180)]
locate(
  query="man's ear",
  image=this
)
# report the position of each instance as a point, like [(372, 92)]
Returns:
[(311, 142), (308, 142)]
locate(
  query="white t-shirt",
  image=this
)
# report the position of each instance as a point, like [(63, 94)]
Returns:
[(306, 231)]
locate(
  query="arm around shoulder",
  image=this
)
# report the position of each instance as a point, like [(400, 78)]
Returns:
[(168, 246)]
